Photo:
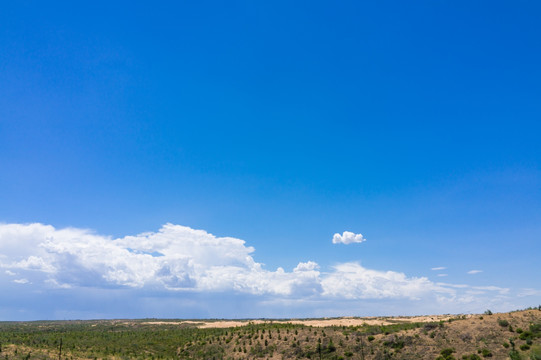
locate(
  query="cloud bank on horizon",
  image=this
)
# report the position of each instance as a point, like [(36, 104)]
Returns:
[(179, 261)]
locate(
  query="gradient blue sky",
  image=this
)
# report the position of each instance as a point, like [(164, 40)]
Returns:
[(279, 123)]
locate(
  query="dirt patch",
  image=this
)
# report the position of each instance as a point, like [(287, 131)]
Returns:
[(324, 322)]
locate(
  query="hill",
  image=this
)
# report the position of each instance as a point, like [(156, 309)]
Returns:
[(514, 335)]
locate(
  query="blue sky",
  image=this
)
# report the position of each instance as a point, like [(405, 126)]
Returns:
[(126, 127)]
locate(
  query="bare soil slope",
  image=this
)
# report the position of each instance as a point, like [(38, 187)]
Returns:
[(514, 335)]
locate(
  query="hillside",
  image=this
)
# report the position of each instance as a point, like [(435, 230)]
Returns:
[(514, 335)]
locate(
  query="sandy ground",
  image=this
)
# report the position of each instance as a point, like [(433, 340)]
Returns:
[(344, 321)]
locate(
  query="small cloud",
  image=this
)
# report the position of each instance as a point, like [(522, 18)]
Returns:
[(347, 238), (456, 286), (529, 292), (492, 288), (306, 266), (21, 281), (441, 275), (472, 272), (475, 292), (438, 268), (58, 285), (10, 273)]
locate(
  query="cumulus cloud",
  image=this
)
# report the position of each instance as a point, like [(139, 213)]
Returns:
[(472, 272), (347, 238), (178, 258), (307, 266), (438, 268), (181, 261), (351, 280)]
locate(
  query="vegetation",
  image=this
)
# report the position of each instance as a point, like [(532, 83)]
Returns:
[(446, 354), (467, 338), (486, 353), (471, 357)]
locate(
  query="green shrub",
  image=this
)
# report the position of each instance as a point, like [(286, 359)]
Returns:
[(430, 326), (503, 323), (447, 351), (535, 354), (471, 357), (524, 347), (331, 347), (371, 338), (441, 357), (486, 353), (535, 329), (394, 343)]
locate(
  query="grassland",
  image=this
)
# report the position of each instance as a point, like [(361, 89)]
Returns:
[(514, 335)]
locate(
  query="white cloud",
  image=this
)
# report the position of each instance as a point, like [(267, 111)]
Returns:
[(501, 290), (477, 289), (438, 268), (529, 292), (178, 258), (181, 262), (347, 238), (472, 272), (352, 281), (174, 258), (33, 263), (456, 286), (441, 275), (307, 266)]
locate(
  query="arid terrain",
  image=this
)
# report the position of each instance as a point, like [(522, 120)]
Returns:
[(513, 335), (320, 322)]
